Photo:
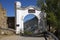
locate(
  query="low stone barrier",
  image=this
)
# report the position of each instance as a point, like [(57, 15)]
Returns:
[(6, 31)]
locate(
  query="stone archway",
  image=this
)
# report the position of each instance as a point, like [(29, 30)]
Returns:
[(31, 25), (21, 13)]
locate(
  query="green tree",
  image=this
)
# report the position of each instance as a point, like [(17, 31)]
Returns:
[(52, 9)]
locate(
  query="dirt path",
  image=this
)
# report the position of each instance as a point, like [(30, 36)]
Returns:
[(17, 37)]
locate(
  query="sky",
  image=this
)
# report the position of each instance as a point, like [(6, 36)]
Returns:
[(10, 7), (28, 17)]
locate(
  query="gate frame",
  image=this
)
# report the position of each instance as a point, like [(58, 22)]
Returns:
[(21, 12)]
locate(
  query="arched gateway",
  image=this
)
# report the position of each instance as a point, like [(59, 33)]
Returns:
[(21, 12)]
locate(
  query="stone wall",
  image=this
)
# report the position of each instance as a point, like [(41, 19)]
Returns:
[(3, 18), (3, 22)]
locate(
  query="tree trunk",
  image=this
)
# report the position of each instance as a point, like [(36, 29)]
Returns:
[(49, 28)]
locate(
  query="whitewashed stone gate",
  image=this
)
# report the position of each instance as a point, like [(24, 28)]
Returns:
[(21, 12)]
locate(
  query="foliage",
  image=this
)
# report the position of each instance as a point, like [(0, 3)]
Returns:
[(52, 8), (27, 32)]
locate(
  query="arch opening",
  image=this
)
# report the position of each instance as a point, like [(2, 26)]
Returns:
[(30, 24)]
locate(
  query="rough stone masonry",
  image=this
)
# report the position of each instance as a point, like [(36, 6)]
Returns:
[(3, 22)]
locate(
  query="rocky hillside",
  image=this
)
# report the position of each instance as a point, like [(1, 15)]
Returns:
[(31, 25)]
